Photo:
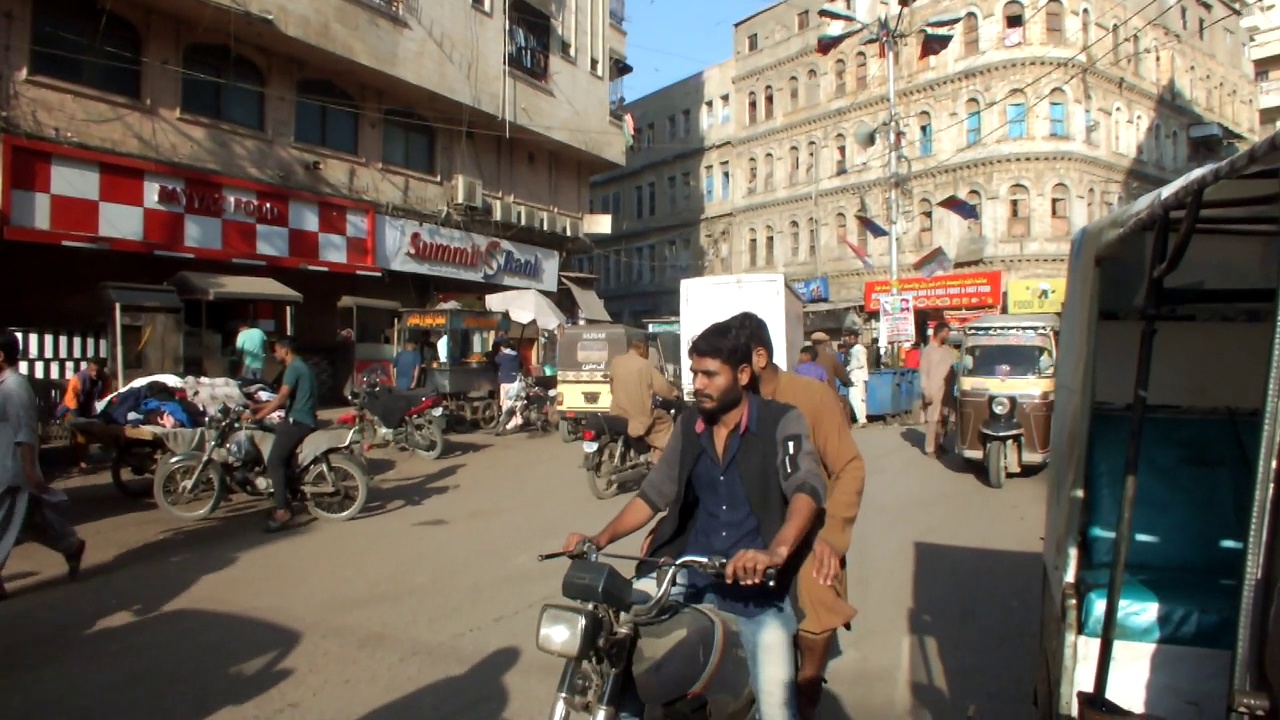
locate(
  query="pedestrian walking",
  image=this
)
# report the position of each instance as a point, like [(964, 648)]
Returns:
[(937, 378), (859, 376)]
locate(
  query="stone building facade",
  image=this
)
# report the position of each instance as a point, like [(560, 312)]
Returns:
[(1043, 116)]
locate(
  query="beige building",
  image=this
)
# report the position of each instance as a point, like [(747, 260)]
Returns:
[(1262, 24), (1042, 116), (288, 136)]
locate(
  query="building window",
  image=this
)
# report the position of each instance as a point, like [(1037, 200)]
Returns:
[(708, 114), (1182, 11), (842, 229), (970, 29), (769, 163), (725, 113), (653, 199), (768, 246), (617, 12), (1203, 26), (838, 70), (671, 128), (1016, 120), (480, 5), (671, 193), (753, 43), (708, 184), (1135, 50), (813, 239), (725, 193), (793, 166), (686, 123), (1014, 32), (925, 122), (605, 207), (975, 200), (812, 88), (1057, 114), (1115, 42), (1091, 205), (408, 141), (1019, 212), (76, 41), (530, 40), (841, 155), (221, 85), (686, 188), (793, 93), (793, 229), (1060, 210), (768, 102), (1086, 29), (326, 116), (639, 202), (617, 204), (751, 109), (752, 261), (752, 172), (860, 232), (649, 132), (925, 210), (802, 21), (972, 123), (811, 161), (860, 71), (1157, 143), (1053, 22)]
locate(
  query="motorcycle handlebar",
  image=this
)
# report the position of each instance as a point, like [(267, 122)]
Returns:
[(713, 565)]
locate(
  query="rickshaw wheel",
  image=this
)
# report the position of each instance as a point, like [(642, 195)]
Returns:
[(139, 484), (488, 415), (995, 465)]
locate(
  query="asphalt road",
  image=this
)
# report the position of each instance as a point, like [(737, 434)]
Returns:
[(425, 606)]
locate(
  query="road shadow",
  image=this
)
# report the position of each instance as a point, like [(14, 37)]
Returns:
[(831, 708), (91, 499), (478, 693), (913, 437), (392, 495), (974, 627), (457, 448)]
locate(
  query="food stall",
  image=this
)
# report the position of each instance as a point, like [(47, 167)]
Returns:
[(216, 305), (369, 326), (461, 370), (144, 333)]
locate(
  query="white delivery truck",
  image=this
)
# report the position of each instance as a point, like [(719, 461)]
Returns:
[(710, 299)]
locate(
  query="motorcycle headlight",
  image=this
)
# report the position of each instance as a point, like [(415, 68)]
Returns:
[(1001, 405), (566, 631)]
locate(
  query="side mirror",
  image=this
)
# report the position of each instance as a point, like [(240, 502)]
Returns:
[(967, 362)]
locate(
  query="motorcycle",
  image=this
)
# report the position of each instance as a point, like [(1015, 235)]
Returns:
[(410, 419), (687, 661), (532, 404), (609, 452), (334, 483)]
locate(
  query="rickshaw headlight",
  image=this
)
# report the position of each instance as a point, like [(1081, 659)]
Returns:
[(1001, 405)]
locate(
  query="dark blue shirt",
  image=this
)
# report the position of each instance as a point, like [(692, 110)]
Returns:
[(508, 366), (406, 362), (724, 522)]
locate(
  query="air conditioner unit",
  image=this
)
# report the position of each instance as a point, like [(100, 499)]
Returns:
[(467, 192), (562, 225), (504, 212), (574, 229), (529, 216), (542, 220)]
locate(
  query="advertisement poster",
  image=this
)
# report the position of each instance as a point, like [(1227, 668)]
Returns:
[(942, 292), (1039, 295), (897, 320), (812, 290)]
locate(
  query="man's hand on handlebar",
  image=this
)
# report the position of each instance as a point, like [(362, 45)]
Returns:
[(576, 541), (748, 567)]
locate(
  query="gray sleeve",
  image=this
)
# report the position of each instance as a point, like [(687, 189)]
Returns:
[(659, 488), (21, 402), (799, 466)]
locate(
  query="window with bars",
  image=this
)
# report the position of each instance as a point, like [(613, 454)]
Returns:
[(1019, 212)]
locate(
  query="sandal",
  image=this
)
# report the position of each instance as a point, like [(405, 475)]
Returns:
[(275, 524)]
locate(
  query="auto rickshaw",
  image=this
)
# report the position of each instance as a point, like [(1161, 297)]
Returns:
[(1004, 392), (582, 368)]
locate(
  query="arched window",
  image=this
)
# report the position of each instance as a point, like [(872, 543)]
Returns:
[(793, 166), (752, 260), (1116, 52), (1015, 120), (1140, 136), (751, 175), (769, 163), (1053, 22), (1157, 144), (812, 88), (925, 211), (1191, 82), (1118, 143), (838, 70), (326, 116), (813, 239), (1019, 212), (811, 161), (1060, 210), (793, 229), (768, 246), (1086, 28), (840, 152), (793, 93), (752, 109), (408, 141), (1014, 22), (859, 231), (1135, 50), (924, 123), (1091, 205), (860, 71), (1058, 113), (970, 29), (842, 229), (768, 102), (975, 199), (972, 123), (222, 85), (1176, 149), (77, 41), (1208, 92)]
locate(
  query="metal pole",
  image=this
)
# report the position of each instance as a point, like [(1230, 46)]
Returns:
[(120, 347), (894, 130)]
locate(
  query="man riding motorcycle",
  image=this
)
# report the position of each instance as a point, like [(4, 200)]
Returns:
[(633, 383)]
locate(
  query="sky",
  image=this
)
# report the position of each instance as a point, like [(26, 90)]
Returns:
[(669, 40)]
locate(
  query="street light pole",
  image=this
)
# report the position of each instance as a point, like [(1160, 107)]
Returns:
[(894, 129)]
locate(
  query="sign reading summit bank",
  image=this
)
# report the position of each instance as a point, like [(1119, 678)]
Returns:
[(411, 246)]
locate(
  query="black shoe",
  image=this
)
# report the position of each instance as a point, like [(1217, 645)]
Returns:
[(73, 559)]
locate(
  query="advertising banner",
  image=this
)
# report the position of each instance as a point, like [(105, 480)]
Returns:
[(1040, 295), (897, 320), (941, 292), (813, 290), (412, 246)]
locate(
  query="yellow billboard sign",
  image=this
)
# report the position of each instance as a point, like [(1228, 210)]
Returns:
[(1041, 295)]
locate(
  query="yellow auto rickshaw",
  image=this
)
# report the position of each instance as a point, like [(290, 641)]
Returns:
[(582, 372), (1004, 392)]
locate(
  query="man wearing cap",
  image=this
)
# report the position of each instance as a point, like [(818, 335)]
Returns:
[(828, 359)]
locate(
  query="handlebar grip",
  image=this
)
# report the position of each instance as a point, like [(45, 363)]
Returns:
[(552, 556)]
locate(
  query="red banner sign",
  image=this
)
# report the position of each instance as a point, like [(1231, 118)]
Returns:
[(942, 292)]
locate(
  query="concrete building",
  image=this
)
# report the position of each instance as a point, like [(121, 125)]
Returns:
[(390, 149), (1042, 116), (1262, 24)]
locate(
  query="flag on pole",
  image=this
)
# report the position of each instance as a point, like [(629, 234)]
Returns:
[(933, 262), (934, 43), (959, 207), (871, 226), (862, 254), (836, 33), (831, 11)]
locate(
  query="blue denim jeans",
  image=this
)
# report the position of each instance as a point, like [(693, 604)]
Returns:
[(769, 640)]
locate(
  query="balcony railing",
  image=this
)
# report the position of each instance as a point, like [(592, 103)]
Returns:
[(530, 50), (1269, 93)]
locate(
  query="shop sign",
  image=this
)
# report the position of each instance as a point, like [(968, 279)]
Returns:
[(440, 320), (426, 320), (941, 292), (1043, 295), (411, 246), (664, 327), (82, 198), (813, 290)]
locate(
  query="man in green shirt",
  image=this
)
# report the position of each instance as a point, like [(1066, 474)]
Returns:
[(298, 396), (251, 343)]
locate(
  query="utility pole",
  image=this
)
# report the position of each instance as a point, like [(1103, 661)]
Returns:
[(894, 128)]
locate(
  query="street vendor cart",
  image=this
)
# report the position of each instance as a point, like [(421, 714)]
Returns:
[(372, 325), (459, 341), (217, 304)]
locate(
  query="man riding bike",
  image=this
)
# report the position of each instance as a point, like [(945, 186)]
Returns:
[(633, 382)]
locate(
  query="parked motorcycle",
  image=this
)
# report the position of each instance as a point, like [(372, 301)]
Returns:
[(334, 483), (687, 661), (410, 419), (609, 453), (532, 404)]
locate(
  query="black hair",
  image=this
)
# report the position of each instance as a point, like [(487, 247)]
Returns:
[(100, 361), (287, 343), (754, 331), (940, 327), (809, 350), (10, 346), (722, 341)]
